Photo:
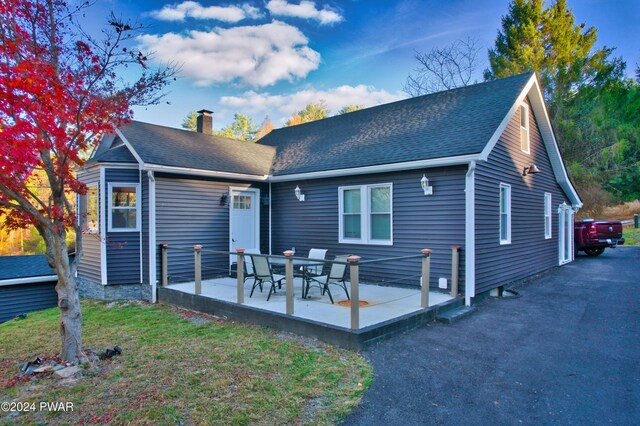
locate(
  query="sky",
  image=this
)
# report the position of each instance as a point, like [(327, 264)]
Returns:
[(273, 57)]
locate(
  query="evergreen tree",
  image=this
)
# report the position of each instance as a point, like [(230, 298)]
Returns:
[(350, 108), (190, 122), (242, 128)]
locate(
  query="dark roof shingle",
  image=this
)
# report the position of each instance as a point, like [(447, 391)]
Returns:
[(182, 148), (438, 125), (12, 267)]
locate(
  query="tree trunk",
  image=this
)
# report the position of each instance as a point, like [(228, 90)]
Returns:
[(68, 300)]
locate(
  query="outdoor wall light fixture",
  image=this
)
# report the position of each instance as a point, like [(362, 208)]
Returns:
[(223, 199), (424, 183), (531, 170), (299, 194)]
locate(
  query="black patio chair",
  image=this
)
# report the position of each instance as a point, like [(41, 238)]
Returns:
[(336, 276), (263, 274), (249, 273)]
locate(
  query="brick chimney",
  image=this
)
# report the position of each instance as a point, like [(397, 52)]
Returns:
[(204, 122)]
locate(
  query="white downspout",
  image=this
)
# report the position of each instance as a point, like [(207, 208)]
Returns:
[(470, 235), (152, 236), (270, 203)]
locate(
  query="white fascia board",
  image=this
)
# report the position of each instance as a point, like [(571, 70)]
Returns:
[(200, 172), (470, 236), (532, 89), (29, 280), (133, 151), (129, 166), (383, 168), (484, 156), (548, 136)]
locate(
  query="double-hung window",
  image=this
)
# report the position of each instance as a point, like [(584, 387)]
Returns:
[(366, 214), (124, 212), (547, 215), (524, 128), (505, 213), (89, 209)]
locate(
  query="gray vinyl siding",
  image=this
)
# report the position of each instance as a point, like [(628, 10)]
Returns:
[(123, 248), (188, 212), (25, 298), (90, 265), (529, 251), (436, 222)]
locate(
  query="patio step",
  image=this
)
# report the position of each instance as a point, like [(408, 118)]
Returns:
[(454, 315)]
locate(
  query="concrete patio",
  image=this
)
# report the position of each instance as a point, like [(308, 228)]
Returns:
[(387, 309)]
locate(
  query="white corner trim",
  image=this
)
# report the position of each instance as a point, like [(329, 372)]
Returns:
[(29, 280), (152, 236), (382, 168), (470, 236), (102, 204)]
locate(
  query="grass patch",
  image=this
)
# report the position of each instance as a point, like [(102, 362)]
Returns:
[(176, 371), (631, 236)]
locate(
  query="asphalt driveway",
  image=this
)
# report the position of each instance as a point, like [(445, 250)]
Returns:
[(566, 352)]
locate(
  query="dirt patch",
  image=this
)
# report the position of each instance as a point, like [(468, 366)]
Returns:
[(198, 318)]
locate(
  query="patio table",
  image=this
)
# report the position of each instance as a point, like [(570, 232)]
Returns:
[(302, 263)]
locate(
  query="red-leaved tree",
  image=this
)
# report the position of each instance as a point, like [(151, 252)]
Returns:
[(60, 90)]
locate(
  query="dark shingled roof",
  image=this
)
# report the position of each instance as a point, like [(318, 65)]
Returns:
[(12, 267), (119, 154), (182, 148), (438, 125)]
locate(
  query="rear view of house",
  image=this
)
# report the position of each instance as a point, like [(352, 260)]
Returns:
[(476, 167)]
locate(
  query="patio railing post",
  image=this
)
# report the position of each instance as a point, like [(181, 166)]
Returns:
[(455, 260), (198, 267), (240, 274), (289, 280), (164, 249), (354, 278), (426, 277)]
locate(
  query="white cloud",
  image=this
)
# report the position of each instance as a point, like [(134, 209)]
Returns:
[(253, 55), (306, 9), (280, 107), (192, 9)]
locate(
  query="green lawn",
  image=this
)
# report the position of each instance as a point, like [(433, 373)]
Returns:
[(631, 236), (181, 370)]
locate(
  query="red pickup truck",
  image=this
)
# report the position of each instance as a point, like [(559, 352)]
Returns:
[(593, 236)]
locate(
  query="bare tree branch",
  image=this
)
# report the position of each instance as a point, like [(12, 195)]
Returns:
[(443, 68)]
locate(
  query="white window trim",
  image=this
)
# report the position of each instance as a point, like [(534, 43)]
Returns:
[(365, 215), (526, 115), (83, 220), (110, 207), (508, 200), (548, 216)]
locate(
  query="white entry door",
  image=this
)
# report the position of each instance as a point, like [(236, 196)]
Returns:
[(565, 231), (244, 219)]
